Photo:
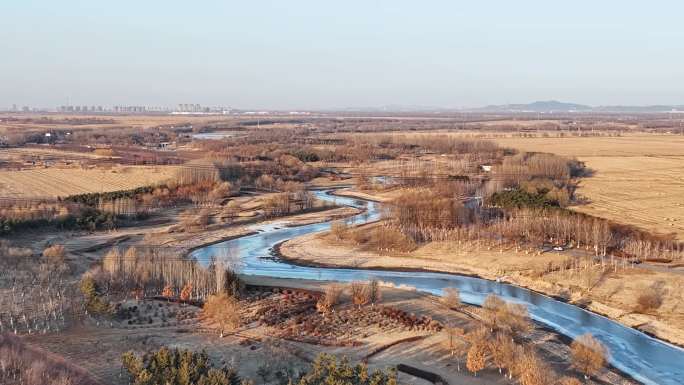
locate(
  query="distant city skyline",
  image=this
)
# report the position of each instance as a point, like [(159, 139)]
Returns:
[(309, 55), (549, 106)]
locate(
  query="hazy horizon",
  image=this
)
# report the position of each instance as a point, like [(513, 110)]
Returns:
[(315, 55)]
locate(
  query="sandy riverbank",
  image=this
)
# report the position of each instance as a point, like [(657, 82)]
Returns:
[(612, 294)]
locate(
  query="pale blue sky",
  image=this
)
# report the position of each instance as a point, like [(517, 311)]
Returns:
[(322, 54)]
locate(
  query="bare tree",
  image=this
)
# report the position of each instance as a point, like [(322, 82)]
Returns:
[(514, 319), (359, 293), (492, 307), (374, 292), (223, 309), (533, 371), (339, 229), (588, 355), (451, 298), (330, 298), (507, 317), (477, 357), (502, 349)]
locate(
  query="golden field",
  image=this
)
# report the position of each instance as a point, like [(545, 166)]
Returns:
[(638, 179), (61, 182)]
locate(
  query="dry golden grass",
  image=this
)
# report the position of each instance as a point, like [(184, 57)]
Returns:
[(31, 153), (612, 293), (638, 180), (54, 182)]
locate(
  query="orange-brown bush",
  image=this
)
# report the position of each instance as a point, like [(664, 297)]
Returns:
[(451, 298), (191, 220), (588, 355), (224, 310), (55, 254), (532, 370), (363, 293), (649, 299), (330, 298), (339, 229), (508, 318), (502, 350), (476, 359)]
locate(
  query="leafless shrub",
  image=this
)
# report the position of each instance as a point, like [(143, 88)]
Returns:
[(231, 210), (8, 251), (502, 349), (55, 255), (649, 299), (330, 298), (588, 355), (363, 293), (455, 339), (54, 252), (451, 298), (509, 318), (569, 381), (374, 293), (339, 229), (532, 370), (221, 191), (195, 221), (224, 310), (477, 357), (492, 305)]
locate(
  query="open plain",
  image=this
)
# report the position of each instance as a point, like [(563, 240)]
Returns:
[(117, 270), (62, 182), (636, 179)]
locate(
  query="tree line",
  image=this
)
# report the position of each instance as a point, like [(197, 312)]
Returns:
[(525, 207), (498, 340), (147, 272)]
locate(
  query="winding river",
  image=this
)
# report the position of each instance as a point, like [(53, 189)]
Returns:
[(646, 359)]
